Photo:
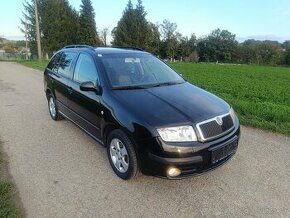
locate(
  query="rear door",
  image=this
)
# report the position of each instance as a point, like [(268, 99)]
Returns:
[(62, 77), (85, 105), (50, 72)]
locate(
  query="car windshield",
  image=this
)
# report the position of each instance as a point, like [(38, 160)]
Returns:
[(133, 71)]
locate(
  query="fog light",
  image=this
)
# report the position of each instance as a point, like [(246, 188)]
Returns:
[(173, 172)]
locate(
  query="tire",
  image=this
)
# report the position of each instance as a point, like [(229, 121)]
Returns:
[(122, 155), (52, 108)]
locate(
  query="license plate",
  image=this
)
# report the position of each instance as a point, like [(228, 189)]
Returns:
[(224, 151)]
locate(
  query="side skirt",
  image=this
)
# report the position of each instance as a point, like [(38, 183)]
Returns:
[(88, 133)]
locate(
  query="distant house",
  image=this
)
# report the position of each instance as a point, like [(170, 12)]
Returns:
[(2, 52)]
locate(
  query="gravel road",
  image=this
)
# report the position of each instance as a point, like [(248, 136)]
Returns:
[(61, 172)]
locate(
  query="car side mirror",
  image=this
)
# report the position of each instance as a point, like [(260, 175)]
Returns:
[(89, 86)]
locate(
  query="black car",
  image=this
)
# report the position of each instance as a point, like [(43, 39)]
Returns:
[(148, 117)]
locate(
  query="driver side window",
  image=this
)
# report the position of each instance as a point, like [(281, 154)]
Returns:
[(85, 70)]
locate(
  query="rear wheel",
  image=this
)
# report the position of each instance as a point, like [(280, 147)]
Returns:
[(52, 107), (122, 155)]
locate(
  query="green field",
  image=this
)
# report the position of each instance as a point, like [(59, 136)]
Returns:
[(259, 94)]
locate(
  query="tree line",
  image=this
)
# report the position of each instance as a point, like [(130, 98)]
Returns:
[(60, 25)]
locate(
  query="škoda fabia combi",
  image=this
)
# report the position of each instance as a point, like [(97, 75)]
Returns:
[(149, 118)]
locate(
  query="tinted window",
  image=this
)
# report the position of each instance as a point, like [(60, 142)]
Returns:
[(85, 70), (138, 70), (53, 64), (65, 63)]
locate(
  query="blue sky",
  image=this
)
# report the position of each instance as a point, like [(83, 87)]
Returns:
[(260, 19)]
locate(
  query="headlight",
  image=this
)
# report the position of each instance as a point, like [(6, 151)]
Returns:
[(177, 134), (233, 114)]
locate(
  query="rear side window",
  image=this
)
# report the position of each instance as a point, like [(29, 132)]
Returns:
[(65, 64), (53, 64), (85, 70)]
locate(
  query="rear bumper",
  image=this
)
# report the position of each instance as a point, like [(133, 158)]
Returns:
[(203, 158)]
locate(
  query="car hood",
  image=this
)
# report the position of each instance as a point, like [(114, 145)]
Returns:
[(172, 105)]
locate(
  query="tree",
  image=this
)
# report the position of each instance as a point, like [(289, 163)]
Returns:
[(28, 25), (286, 53), (261, 52), (58, 24), (219, 45), (104, 35), (169, 38), (133, 29), (122, 33), (154, 39), (168, 29), (87, 29), (187, 49)]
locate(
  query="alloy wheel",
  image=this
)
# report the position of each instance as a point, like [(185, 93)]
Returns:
[(52, 108), (119, 155)]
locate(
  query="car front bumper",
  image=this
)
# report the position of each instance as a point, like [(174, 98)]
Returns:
[(203, 157)]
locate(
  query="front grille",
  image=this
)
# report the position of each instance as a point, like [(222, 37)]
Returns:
[(211, 129)]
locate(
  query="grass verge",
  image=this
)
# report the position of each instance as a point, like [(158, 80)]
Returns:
[(35, 64), (8, 206)]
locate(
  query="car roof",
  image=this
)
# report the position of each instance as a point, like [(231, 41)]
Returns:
[(115, 50), (103, 50)]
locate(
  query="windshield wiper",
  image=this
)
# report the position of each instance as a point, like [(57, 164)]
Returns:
[(167, 84), (147, 86), (129, 87)]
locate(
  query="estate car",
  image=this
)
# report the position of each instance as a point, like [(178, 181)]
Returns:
[(149, 118)]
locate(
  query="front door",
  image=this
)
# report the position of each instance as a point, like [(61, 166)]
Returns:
[(85, 105)]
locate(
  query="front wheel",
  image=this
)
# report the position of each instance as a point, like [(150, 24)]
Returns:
[(122, 155)]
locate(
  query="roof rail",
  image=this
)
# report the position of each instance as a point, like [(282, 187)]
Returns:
[(129, 48), (79, 46)]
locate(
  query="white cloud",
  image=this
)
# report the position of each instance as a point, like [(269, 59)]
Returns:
[(263, 37)]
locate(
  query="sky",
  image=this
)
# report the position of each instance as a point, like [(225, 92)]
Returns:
[(258, 19)]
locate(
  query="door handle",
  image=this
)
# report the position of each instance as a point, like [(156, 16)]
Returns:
[(70, 90)]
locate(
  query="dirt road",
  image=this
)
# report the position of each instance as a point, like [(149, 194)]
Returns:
[(61, 172)]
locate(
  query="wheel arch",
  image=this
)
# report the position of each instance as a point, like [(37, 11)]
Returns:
[(107, 129), (112, 126), (48, 92)]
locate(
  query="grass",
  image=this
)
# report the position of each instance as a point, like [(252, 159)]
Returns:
[(8, 208), (38, 65), (259, 94)]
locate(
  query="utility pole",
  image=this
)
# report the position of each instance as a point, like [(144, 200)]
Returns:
[(37, 31), (26, 41)]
